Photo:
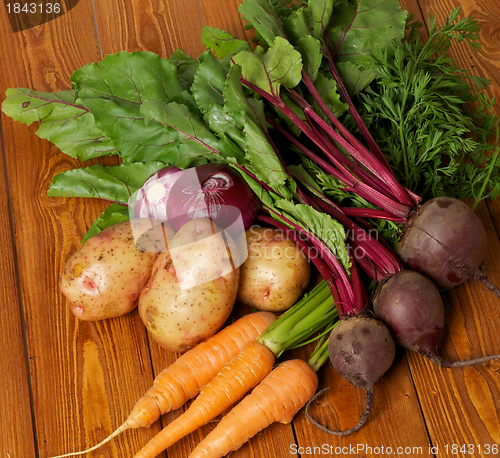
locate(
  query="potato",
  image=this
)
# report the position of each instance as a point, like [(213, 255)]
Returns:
[(192, 289), (276, 272), (104, 278)]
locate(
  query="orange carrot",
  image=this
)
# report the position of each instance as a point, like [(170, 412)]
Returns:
[(240, 375), (184, 379), (294, 328), (276, 399)]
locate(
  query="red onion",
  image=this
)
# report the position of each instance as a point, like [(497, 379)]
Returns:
[(214, 191), (150, 201)]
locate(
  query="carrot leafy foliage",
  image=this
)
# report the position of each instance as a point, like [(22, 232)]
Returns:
[(432, 119)]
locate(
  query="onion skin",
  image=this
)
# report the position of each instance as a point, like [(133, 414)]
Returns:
[(214, 191), (151, 199)]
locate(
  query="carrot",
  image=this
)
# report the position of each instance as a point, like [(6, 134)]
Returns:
[(240, 375), (276, 399), (297, 324), (184, 379)]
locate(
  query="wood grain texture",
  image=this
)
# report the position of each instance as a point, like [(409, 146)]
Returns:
[(15, 409), (460, 406), (224, 15), (86, 377), (396, 406), (158, 26), (77, 369)]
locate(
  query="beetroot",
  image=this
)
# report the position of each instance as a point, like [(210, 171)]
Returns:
[(410, 304), (446, 241), (361, 350)]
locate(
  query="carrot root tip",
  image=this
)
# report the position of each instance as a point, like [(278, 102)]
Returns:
[(115, 433)]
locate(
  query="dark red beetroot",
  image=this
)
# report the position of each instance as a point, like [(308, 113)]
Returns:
[(410, 304), (446, 241), (361, 350)]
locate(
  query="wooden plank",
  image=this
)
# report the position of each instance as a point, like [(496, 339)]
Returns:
[(460, 406), (396, 405), (157, 26), (77, 368), (15, 409), (386, 432), (224, 15)]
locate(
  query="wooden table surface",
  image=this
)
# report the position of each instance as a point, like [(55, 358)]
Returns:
[(66, 384)]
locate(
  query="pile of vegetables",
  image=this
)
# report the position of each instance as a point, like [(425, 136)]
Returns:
[(342, 135)]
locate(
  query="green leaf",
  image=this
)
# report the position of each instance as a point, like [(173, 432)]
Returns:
[(114, 183), (29, 106), (114, 89), (322, 225), (114, 214), (229, 150), (296, 25), (186, 67), (209, 82), (186, 98), (320, 12), (302, 175), (364, 25), (266, 197), (280, 66), (354, 79), (310, 50), (262, 16), (196, 144), (65, 122), (418, 110), (236, 102), (265, 164), (360, 27), (222, 43), (327, 89), (221, 123)]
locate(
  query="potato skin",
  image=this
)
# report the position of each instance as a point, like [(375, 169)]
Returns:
[(178, 317), (104, 278), (276, 272)]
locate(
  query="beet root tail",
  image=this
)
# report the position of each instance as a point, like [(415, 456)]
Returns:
[(480, 276), (442, 362), (362, 419)]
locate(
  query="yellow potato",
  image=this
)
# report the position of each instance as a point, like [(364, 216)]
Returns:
[(192, 289), (104, 278), (276, 272)]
